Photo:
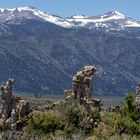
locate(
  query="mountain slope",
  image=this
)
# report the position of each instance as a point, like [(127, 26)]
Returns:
[(43, 55)]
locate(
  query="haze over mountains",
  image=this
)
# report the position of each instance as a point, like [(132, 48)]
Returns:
[(42, 52)]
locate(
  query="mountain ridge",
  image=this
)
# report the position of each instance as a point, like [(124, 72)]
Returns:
[(75, 21)]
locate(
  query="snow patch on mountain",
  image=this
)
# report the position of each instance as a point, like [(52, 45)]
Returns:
[(78, 17), (132, 24), (115, 14)]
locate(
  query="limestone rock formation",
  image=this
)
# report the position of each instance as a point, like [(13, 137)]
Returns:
[(7, 99), (138, 94), (82, 82), (12, 107), (82, 86), (23, 108), (68, 94)]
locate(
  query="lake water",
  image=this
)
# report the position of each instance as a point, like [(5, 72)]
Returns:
[(111, 100), (106, 100)]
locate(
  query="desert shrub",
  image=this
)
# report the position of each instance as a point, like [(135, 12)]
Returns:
[(114, 124), (119, 123), (114, 137), (69, 111), (44, 123), (129, 99), (124, 137), (96, 116), (108, 117), (72, 116), (64, 106), (88, 121), (125, 125), (105, 125), (76, 116), (101, 131), (125, 121), (129, 108)]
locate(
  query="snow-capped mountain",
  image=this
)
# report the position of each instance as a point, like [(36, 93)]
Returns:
[(111, 19), (106, 20), (42, 52), (7, 15)]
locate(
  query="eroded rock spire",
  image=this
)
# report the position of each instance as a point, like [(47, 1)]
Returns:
[(81, 84)]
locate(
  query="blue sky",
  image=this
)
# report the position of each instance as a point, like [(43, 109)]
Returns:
[(66, 8)]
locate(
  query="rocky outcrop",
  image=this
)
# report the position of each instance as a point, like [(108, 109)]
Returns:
[(68, 94), (82, 82), (138, 94), (82, 86), (12, 107), (23, 108)]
